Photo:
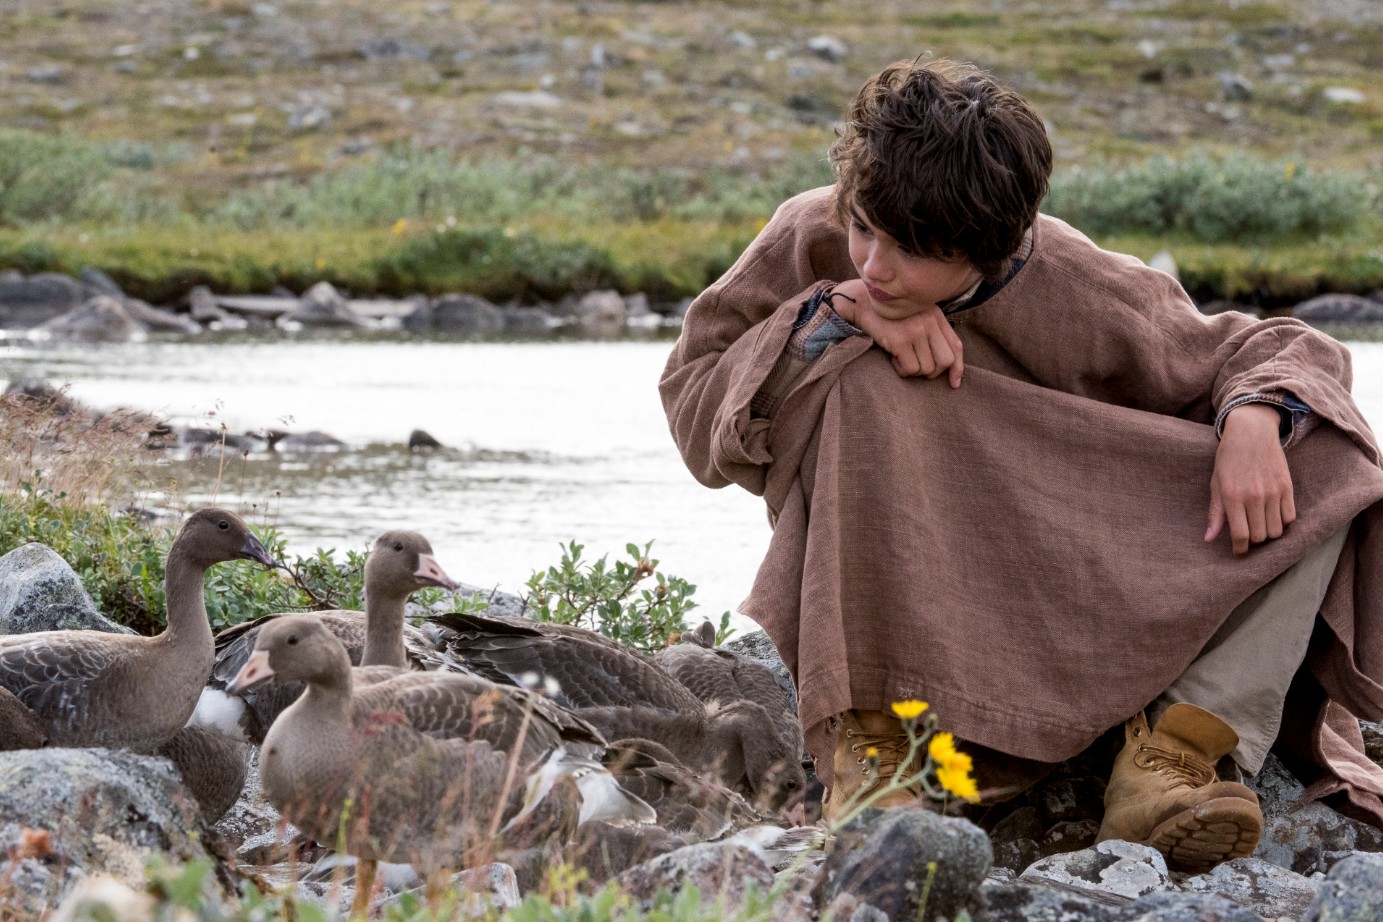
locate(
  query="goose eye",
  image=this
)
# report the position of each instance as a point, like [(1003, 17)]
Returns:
[(223, 524), (292, 640), (398, 545)]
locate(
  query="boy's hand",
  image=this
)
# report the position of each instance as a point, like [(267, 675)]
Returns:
[(922, 344), (1251, 488)]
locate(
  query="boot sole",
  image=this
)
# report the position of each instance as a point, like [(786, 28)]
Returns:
[(1208, 834)]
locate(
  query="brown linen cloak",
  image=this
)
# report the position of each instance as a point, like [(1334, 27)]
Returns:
[(1025, 552)]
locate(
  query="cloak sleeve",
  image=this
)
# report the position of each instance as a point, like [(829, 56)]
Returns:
[(1103, 325), (734, 333)]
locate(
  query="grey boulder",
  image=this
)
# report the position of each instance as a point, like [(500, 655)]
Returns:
[(1352, 890), (40, 592), (889, 859), (26, 302), (1339, 308), (77, 812), (101, 319)]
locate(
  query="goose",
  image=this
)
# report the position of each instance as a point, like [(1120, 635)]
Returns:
[(586, 669), (624, 693), (19, 727), (685, 801), (344, 772), (213, 768), (399, 564), (91, 688), (716, 675)]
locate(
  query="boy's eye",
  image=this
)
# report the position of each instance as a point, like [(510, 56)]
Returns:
[(861, 227)]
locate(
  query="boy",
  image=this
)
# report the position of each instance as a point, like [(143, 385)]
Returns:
[(1096, 513)]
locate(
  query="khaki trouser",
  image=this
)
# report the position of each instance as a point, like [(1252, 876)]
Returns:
[(1243, 673)]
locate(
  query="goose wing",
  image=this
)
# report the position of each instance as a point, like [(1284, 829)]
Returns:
[(582, 668), (53, 672)]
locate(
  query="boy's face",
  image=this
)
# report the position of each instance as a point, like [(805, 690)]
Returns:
[(901, 283)]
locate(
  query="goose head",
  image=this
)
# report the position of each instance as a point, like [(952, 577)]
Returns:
[(401, 562), (294, 648), (771, 767), (212, 535)]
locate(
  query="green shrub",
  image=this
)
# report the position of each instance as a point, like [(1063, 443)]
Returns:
[(1230, 199), (607, 599), (46, 178)]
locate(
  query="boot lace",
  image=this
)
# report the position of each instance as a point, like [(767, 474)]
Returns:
[(1189, 770), (892, 749)]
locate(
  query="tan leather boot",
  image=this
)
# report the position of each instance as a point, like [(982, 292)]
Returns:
[(1164, 791), (859, 731)]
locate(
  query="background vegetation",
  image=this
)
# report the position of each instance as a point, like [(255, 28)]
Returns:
[(523, 150)]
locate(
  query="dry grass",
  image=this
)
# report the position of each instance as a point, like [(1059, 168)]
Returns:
[(69, 450)]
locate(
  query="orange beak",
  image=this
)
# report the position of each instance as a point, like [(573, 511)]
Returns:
[(430, 573), (256, 671)]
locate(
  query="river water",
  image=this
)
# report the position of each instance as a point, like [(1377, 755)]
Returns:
[(546, 442)]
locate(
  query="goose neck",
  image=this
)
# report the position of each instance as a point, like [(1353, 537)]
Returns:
[(384, 631)]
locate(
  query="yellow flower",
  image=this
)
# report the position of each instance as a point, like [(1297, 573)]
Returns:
[(942, 749), (953, 767), (399, 227), (1289, 170), (910, 709), (871, 753), (959, 783)]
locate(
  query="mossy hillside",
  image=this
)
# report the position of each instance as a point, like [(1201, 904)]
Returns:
[(678, 128)]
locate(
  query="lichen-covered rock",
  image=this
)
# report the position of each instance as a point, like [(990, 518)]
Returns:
[(890, 858), (40, 592), (1023, 900), (1353, 890), (65, 813), (1185, 907), (1311, 837), (1267, 889), (1111, 869), (719, 871), (1339, 308)]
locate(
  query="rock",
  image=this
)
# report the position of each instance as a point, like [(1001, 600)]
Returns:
[(307, 117), (718, 870), (1180, 907), (304, 441), (101, 896), (250, 816), (1373, 740), (1235, 88), (1020, 900), (457, 313), (1343, 96), (1311, 837), (1340, 308), (100, 319), (421, 440), (889, 858), (98, 282), (527, 320), (1165, 262), (202, 307), (392, 49), (535, 99), (757, 646), (67, 813), (321, 306), (848, 908), (27, 302), (1265, 888), (40, 592), (157, 320), (1352, 890), (828, 48), (1110, 869), (601, 313)]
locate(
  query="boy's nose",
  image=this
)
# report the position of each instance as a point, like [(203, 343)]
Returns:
[(877, 267)]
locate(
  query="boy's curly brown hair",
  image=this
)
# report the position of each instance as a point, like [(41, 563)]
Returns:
[(945, 160)]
